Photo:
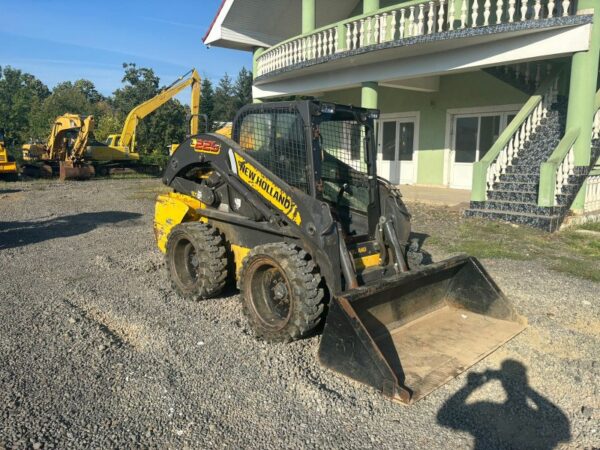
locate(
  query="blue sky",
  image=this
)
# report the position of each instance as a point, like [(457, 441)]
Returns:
[(58, 40)]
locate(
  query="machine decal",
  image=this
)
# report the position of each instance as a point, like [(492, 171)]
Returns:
[(206, 146), (265, 187)]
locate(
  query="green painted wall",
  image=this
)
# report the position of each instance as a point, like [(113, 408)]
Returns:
[(470, 90)]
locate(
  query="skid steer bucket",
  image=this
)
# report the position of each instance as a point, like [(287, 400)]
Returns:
[(409, 334), (70, 171)]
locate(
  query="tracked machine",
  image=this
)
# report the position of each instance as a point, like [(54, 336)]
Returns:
[(292, 209), (62, 154), (8, 166)]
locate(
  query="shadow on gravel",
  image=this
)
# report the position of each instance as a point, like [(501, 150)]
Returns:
[(525, 420), (19, 234), (9, 191)]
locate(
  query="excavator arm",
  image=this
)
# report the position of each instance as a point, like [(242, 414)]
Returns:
[(87, 127), (192, 78), (56, 145)]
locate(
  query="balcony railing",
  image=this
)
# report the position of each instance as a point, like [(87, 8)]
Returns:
[(408, 20)]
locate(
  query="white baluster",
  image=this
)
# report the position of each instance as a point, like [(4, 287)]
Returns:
[(319, 43), (551, 6), (430, 16), (336, 39), (421, 24), (537, 8), (511, 152), (349, 36), (486, 12), (411, 22), (463, 15), (393, 24), (475, 13), (376, 28), (565, 7), (524, 9), (363, 30), (402, 23), (369, 39), (383, 28), (355, 35), (332, 40), (441, 16), (499, 10), (511, 11)]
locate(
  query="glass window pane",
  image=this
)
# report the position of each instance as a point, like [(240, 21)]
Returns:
[(407, 139), (490, 130), (388, 149), (466, 139)]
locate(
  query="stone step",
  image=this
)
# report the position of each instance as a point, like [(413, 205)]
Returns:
[(520, 178), (503, 185), (513, 196), (521, 169), (518, 207), (547, 223)]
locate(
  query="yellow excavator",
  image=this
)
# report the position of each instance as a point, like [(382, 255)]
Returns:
[(64, 148), (118, 152), (8, 166)]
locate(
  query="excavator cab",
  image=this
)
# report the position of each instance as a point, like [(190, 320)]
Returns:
[(292, 207)]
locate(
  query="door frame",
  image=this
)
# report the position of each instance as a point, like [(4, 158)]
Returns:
[(452, 113), (416, 115)]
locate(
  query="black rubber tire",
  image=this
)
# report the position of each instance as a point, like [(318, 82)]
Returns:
[(300, 274), (208, 276)]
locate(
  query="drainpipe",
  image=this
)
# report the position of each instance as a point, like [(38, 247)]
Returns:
[(584, 79), (308, 16)]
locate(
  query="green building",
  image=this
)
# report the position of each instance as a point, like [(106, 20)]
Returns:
[(496, 96)]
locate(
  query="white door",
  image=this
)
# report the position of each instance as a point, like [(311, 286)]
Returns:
[(396, 150), (474, 135)]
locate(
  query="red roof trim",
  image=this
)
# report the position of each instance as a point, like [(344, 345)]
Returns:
[(214, 20)]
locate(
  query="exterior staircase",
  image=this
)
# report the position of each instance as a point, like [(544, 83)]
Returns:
[(514, 196), (529, 176)]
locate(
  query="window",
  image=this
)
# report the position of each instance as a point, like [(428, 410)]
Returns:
[(276, 140), (466, 139)]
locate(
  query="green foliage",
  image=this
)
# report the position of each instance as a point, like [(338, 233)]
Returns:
[(20, 94), (225, 102), (207, 103), (243, 88), (28, 108), (106, 125)]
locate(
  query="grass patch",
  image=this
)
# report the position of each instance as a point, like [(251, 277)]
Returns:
[(569, 251)]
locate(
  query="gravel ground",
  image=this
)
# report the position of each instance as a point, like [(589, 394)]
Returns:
[(96, 351)]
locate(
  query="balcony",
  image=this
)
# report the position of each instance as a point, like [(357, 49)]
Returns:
[(513, 30)]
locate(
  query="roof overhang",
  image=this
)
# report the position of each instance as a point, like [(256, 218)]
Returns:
[(247, 24)]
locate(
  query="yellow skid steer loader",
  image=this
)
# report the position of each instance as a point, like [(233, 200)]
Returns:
[(292, 208)]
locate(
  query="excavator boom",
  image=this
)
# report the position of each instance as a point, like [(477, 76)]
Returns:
[(149, 106)]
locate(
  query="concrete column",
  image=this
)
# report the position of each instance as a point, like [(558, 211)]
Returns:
[(584, 83), (582, 91), (308, 16), (369, 95), (370, 6), (256, 53)]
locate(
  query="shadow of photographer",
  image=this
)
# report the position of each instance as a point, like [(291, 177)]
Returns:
[(525, 420)]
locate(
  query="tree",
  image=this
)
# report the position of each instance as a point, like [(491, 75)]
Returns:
[(243, 88), (66, 98), (106, 125), (224, 102), (207, 101), (20, 94)]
